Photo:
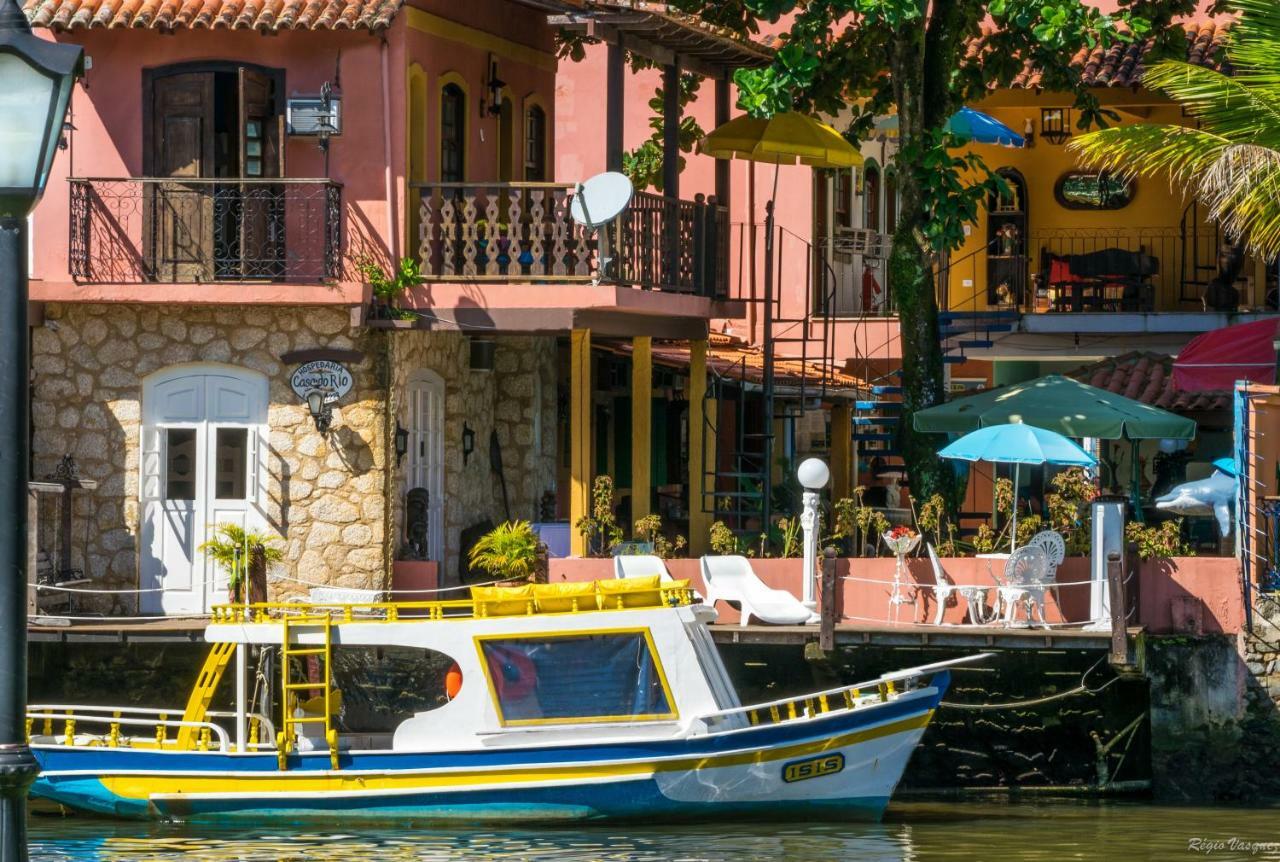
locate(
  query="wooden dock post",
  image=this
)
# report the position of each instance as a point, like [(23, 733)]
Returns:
[(829, 602), (1119, 657)]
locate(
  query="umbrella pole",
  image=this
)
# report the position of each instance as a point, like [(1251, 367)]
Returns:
[(1013, 531)]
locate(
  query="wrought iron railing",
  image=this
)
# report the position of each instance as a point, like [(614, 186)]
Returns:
[(503, 232), (189, 230)]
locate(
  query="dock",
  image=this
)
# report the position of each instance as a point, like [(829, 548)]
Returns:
[(163, 630)]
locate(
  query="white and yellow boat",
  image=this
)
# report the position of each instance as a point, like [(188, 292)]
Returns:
[(568, 701)]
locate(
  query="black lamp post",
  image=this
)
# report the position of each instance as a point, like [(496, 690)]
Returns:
[(36, 77)]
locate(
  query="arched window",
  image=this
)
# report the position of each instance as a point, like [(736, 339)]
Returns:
[(535, 144), (453, 131), (871, 197)]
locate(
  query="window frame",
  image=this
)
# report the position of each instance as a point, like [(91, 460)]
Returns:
[(541, 161), (645, 632), (450, 90), (1130, 184)]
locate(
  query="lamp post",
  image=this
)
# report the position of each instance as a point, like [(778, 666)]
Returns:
[(813, 475), (36, 77)]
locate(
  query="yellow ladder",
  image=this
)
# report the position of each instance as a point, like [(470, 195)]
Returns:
[(286, 735), (215, 662)]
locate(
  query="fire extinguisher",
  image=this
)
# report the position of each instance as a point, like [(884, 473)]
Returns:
[(870, 289)]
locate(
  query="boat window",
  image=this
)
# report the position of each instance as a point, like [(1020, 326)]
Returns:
[(604, 676), (383, 686)]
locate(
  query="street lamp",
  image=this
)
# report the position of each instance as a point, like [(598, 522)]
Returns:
[(813, 475), (36, 77)]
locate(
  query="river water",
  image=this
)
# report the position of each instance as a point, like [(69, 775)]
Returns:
[(1034, 831)]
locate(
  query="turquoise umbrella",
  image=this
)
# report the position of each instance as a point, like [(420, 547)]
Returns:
[(1017, 444), (980, 128)]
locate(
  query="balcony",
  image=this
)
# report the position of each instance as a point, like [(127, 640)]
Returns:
[(523, 232), (139, 230)]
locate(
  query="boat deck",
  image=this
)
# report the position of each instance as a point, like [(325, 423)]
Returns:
[(161, 630)]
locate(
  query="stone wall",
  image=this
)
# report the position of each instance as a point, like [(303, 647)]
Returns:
[(324, 497), (502, 399)]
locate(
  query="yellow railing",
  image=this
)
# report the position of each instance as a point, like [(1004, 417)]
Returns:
[(674, 595)]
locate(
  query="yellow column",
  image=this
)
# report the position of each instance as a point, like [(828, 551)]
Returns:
[(702, 456), (641, 425), (579, 436), (841, 449), (1259, 292)]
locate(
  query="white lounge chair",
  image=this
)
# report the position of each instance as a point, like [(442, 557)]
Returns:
[(640, 566), (974, 597), (731, 579)]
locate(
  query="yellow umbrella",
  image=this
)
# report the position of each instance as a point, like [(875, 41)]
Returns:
[(783, 139)]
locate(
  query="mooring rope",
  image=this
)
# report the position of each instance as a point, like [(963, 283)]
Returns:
[(1082, 688)]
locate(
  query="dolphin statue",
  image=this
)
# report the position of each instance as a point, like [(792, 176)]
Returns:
[(1211, 496)]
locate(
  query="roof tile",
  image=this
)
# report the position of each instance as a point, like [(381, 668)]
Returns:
[(263, 15), (1148, 377)]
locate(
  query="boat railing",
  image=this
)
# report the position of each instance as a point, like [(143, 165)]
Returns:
[(667, 595), (114, 719), (845, 697)]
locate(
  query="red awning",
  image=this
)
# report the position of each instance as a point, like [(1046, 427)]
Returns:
[(1217, 359)]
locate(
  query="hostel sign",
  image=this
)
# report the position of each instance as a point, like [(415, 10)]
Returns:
[(331, 378)]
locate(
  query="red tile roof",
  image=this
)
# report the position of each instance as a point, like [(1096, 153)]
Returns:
[(263, 15), (1148, 377), (1122, 64)]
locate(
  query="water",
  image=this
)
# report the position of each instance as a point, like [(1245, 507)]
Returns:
[(1036, 831)]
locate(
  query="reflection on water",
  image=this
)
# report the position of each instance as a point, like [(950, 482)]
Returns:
[(912, 832)]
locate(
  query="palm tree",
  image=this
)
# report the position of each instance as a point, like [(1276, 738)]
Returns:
[(1231, 163), (235, 550), (510, 550)]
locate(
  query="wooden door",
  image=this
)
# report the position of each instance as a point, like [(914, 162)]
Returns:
[(260, 225), (179, 224)]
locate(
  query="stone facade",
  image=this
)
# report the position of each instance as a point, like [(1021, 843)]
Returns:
[(517, 399), (329, 499)]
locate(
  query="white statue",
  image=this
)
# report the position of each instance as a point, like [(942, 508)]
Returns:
[(1212, 496)]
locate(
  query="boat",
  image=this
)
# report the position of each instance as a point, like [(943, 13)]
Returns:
[(599, 700)]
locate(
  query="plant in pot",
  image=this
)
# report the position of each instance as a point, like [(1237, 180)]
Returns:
[(389, 287), (243, 555), (512, 551)]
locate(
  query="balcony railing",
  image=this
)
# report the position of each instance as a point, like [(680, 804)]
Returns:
[(505, 232), (188, 230)]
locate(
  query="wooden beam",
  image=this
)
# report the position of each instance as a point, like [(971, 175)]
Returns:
[(671, 129), (723, 180), (579, 436), (615, 91), (841, 449), (702, 449), (641, 425)]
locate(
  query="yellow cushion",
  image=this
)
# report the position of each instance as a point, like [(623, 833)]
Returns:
[(503, 601), (639, 592), (559, 598)]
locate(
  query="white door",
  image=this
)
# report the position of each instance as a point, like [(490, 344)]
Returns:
[(202, 435), (425, 423)]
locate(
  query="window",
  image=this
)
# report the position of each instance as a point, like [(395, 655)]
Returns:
[(1096, 191), (453, 131), (606, 676), (843, 195), (535, 145), (231, 463), (180, 464), (871, 198), (384, 686)]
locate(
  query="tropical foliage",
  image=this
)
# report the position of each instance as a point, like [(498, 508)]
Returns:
[(1231, 161), (510, 550), (600, 527), (235, 550), (649, 529)]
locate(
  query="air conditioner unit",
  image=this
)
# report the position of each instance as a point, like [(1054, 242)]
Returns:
[(306, 115)]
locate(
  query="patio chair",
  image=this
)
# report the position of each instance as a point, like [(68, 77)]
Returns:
[(974, 597), (731, 579), (640, 565), (1026, 577), (1050, 541)]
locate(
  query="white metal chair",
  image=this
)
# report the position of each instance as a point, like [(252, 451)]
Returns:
[(640, 566), (1055, 549), (974, 597), (731, 579), (1023, 583)]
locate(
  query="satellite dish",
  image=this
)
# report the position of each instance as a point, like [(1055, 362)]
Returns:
[(597, 202), (601, 199)]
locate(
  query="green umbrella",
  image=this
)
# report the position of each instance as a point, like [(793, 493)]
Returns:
[(1058, 403)]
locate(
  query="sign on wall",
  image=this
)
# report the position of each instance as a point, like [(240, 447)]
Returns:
[(331, 378)]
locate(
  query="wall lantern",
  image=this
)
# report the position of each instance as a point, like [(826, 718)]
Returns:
[(1029, 134), (494, 85), (321, 410), (1055, 124), (402, 442), (38, 76), (468, 443)]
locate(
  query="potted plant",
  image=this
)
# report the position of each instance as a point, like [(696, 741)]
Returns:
[(240, 553), (389, 287), (510, 550)]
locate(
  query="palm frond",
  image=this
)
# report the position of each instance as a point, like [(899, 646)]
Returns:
[(1242, 191), (1253, 41), (1224, 105), (1178, 152)]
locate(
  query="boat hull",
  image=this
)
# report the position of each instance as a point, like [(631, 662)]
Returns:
[(841, 764)]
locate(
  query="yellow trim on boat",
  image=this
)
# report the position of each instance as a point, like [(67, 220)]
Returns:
[(144, 786)]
